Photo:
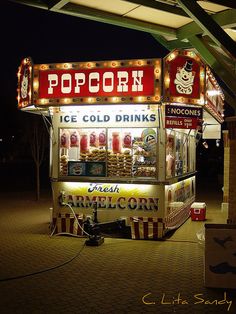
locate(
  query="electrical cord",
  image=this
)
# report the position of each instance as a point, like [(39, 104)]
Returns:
[(44, 270), (75, 256), (64, 203), (76, 218), (57, 266), (180, 241), (46, 122), (81, 228)]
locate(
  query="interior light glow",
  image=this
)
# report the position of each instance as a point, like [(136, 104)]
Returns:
[(175, 185), (68, 109), (73, 186), (213, 92)]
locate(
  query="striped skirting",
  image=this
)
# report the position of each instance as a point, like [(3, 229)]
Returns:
[(178, 217), (146, 228), (66, 223)]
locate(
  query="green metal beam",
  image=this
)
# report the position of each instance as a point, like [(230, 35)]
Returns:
[(230, 62), (37, 4), (161, 40), (171, 44), (214, 60), (179, 44), (110, 18), (225, 18), (209, 26), (56, 4), (220, 68), (165, 7), (226, 3)]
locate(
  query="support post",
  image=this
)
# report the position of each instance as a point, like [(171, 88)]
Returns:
[(231, 123), (226, 168)]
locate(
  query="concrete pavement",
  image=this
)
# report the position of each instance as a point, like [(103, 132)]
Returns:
[(59, 274)]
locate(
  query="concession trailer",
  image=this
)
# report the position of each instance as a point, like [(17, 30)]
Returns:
[(123, 138)]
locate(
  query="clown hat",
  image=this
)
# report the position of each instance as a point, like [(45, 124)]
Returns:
[(188, 66)]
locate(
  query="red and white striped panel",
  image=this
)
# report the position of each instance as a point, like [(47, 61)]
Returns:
[(146, 228), (66, 223), (179, 216)]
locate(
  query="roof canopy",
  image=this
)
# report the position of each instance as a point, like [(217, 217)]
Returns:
[(207, 26)]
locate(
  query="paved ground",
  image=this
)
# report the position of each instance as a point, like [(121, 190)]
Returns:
[(60, 274)]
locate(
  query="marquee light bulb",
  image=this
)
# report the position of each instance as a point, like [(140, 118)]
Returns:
[(36, 84)]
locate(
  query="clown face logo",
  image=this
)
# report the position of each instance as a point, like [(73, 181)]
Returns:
[(24, 85), (185, 78)]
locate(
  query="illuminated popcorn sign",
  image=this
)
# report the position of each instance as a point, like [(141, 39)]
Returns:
[(126, 81), (100, 82)]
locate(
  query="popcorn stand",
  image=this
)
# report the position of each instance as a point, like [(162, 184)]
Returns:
[(123, 137)]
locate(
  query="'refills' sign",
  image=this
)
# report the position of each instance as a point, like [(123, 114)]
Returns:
[(182, 117)]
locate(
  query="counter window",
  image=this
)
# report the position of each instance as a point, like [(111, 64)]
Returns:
[(110, 152), (180, 152), (170, 154)]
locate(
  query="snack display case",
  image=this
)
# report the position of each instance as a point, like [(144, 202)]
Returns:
[(108, 152), (125, 135)]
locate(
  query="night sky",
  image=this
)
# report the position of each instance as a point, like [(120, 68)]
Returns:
[(49, 37)]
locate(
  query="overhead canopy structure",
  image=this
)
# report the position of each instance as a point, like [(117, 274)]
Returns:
[(207, 26)]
